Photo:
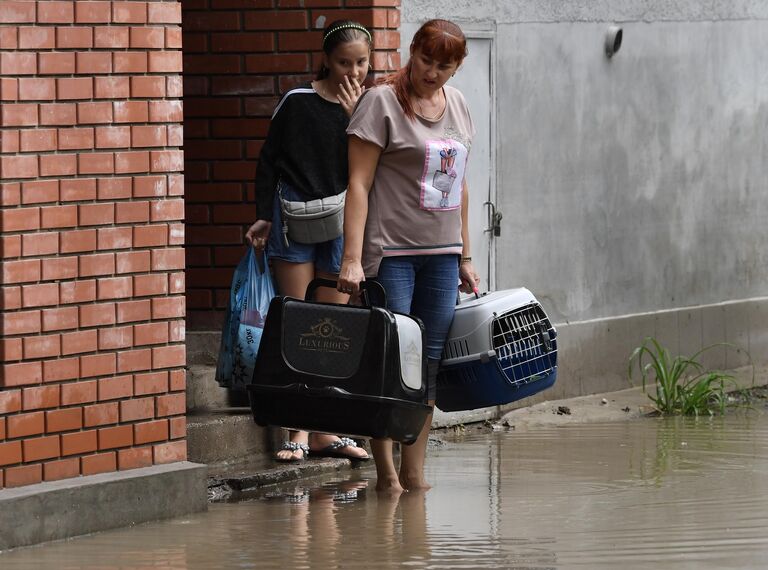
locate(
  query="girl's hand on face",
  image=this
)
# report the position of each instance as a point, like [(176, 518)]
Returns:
[(470, 280), (258, 233), (350, 277), (349, 93)]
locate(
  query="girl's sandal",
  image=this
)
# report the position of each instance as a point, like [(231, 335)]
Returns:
[(293, 447), (336, 450)]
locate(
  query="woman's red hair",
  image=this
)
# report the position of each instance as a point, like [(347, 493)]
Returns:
[(438, 39)]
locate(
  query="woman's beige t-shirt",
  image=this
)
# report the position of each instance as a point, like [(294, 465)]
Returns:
[(414, 206)]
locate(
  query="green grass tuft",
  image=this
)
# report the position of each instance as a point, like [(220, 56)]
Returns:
[(683, 386)]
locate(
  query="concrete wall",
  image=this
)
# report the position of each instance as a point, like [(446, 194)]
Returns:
[(630, 184)]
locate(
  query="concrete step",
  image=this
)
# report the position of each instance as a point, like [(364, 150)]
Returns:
[(246, 480), (204, 393), (226, 436), (202, 347), (220, 429)]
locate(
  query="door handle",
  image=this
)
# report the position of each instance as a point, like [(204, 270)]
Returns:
[(494, 220)]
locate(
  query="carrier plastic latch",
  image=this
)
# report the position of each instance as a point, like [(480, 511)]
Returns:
[(546, 339), (485, 357)]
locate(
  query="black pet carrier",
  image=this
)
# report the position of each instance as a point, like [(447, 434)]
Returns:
[(356, 370)]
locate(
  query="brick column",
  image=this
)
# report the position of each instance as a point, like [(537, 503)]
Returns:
[(92, 304), (239, 57)]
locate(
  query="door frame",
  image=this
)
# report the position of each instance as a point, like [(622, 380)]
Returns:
[(490, 35)]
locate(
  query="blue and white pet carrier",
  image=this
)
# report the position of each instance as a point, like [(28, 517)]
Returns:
[(501, 348)]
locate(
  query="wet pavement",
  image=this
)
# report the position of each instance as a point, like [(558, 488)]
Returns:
[(661, 493)]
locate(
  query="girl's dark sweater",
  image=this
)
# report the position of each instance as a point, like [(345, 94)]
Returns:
[(306, 147)]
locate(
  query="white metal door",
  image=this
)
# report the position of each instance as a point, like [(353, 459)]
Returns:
[(475, 81)]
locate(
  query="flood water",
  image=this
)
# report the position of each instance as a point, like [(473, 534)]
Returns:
[(652, 493)]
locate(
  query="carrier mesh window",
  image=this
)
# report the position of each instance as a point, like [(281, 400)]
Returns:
[(524, 342)]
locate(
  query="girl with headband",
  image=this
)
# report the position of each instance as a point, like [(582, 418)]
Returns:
[(304, 158)]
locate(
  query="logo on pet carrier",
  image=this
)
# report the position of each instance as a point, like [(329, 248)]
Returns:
[(325, 336), (412, 354)]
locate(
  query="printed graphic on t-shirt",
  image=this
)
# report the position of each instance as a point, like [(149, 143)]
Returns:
[(444, 164)]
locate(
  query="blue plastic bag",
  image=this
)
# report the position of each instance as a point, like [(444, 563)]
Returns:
[(249, 297)]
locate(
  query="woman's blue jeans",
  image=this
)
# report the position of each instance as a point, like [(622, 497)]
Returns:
[(425, 286)]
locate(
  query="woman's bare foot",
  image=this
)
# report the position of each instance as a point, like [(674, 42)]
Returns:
[(389, 485), (416, 483)]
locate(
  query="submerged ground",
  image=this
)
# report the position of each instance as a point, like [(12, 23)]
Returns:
[(649, 493)]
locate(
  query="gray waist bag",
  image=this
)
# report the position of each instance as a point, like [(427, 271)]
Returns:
[(315, 221)]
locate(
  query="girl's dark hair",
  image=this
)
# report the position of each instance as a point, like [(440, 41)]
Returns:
[(438, 39), (341, 32)]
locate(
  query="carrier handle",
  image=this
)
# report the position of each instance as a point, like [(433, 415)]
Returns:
[(458, 296), (366, 288)]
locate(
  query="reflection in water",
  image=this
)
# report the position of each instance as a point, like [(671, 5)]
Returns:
[(658, 493)]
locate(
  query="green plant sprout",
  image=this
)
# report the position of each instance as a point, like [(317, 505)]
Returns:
[(683, 385)]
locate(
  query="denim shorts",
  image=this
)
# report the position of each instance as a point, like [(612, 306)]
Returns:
[(326, 256), (425, 286)]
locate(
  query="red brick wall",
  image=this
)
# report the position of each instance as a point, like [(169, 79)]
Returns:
[(239, 57), (92, 303)]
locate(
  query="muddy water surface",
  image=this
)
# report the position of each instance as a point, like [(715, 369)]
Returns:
[(654, 493)]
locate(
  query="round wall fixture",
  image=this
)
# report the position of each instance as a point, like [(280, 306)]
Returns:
[(613, 40)]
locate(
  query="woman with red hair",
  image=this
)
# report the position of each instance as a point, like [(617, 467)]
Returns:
[(405, 220)]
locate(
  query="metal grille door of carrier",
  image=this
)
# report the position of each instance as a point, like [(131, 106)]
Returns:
[(523, 344)]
